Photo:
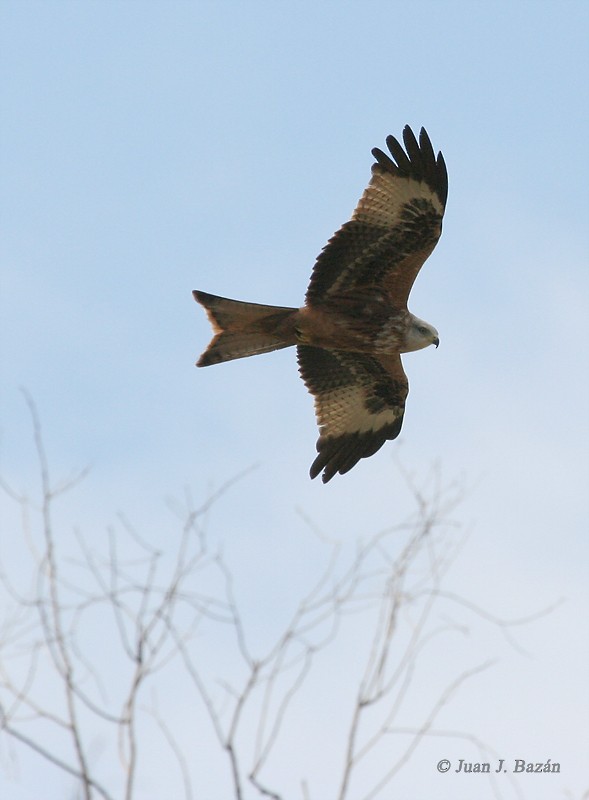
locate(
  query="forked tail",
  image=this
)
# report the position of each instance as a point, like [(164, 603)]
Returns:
[(244, 329)]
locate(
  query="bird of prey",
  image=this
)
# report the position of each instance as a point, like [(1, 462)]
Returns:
[(354, 324)]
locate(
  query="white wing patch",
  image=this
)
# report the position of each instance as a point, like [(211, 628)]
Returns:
[(343, 410), (386, 195)]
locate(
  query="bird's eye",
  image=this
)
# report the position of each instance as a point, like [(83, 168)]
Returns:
[(422, 330)]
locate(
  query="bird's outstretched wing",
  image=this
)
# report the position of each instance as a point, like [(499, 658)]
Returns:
[(359, 403), (393, 229)]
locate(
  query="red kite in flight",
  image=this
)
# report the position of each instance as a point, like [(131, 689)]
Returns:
[(355, 324)]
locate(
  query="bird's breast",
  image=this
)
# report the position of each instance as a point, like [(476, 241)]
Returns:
[(361, 327)]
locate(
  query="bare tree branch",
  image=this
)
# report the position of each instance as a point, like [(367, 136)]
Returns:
[(158, 604)]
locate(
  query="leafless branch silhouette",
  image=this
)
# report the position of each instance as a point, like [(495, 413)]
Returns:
[(157, 605)]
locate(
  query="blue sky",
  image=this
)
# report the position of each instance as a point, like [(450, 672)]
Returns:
[(150, 148)]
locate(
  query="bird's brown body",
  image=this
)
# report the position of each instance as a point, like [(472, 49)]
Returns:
[(358, 322)]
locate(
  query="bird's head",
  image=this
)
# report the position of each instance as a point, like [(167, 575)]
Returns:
[(419, 334)]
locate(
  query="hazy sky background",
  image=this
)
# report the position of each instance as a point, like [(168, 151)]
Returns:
[(151, 148)]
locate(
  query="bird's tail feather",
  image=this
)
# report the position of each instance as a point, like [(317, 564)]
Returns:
[(244, 329)]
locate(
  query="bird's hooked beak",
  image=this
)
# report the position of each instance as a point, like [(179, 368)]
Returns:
[(436, 341)]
